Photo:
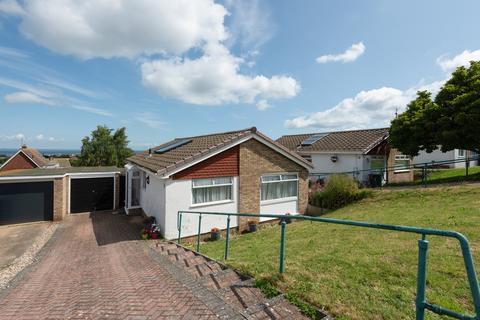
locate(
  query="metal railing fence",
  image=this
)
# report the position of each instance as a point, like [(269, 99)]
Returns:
[(421, 302)]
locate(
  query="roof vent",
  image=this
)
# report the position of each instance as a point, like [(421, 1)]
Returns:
[(24, 146), (313, 138), (175, 144)]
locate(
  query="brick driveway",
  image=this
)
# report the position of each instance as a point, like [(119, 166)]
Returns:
[(94, 268)]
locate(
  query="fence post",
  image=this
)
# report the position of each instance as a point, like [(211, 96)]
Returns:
[(421, 278), (282, 246), (425, 168), (179, 226), (199, 231), (467, 164), (227, 237)]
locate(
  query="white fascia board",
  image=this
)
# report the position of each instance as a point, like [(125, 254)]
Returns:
[(329, 152), (72, 175), (11, 159), (80, 175), (27, 178)]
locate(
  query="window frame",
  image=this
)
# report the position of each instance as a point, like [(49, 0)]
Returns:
[(213, 185), (399, 168), (266, 201)]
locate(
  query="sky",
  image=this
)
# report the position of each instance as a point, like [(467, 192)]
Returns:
[(166, 69)]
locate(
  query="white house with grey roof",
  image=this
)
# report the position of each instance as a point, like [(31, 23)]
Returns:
[(356, 152), (231, 172)]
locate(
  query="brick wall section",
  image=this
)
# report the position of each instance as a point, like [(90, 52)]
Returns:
[(255, 160), (399, 176), (20, 161), (60, 198), (117, 191), (224, 164)]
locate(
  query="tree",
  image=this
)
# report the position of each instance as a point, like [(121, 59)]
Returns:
[(451, 120), (104, 149)]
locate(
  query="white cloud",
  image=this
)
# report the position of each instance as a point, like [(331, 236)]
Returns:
[(12, 137), (250, 23), (26, 97), (13, 53), (98, 111), (368, 109), (10, 7), (163, 35), (351, 54), (42, 137), (114, 28), (150, 120), (213, 79), (462, 59), (263, 105)]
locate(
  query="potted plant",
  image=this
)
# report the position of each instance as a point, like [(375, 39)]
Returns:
[(145, 234), (252, 225), (148, 222), (155, 232), (215, 234)]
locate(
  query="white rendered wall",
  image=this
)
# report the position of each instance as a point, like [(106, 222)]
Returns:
[(152, 199), (278, 206), (179, 197), (436, 155), (322, 163)]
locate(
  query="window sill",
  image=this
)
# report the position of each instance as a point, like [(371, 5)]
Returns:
[(401, 171), (281, 200), (206, 204)]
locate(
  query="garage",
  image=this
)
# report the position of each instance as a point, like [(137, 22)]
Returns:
[(26, 202), (91, 194)]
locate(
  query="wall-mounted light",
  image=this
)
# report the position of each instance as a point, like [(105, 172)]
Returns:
[(334, 158), (148, 179)]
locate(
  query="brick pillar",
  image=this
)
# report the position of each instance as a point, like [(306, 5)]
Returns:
[(117, 192)]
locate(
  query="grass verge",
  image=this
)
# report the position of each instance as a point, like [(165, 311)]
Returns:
[(357, 273)]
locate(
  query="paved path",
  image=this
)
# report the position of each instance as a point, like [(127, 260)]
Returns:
[(93, 268)]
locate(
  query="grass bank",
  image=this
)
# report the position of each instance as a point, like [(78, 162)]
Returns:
[(369, 274)]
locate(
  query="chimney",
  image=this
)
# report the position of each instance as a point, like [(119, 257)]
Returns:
[(24, 146)]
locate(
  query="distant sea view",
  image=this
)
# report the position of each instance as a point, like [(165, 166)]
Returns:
[(51, 152)]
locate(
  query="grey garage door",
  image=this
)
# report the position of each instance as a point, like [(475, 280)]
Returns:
[(26, 202), (91, 194)]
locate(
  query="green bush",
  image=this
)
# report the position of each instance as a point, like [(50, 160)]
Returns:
[(339, 191)]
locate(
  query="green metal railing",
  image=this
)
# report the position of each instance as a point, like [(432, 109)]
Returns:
[(420, 301)]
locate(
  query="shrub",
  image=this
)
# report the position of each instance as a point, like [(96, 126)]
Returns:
[(340, 190)]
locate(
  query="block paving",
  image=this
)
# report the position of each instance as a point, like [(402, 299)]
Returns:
[(94, 267)]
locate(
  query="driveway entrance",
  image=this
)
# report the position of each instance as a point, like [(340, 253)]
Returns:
[(94, 267)]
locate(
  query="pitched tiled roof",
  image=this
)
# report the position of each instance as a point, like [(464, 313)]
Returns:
[(199, 146), (35, 155), (339, 141)]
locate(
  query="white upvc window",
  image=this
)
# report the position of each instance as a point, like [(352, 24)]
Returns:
[(402, 163), (461, 153), (279, 186), (144, 180), (212, 190)]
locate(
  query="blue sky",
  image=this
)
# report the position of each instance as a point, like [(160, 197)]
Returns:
[(165, 69)]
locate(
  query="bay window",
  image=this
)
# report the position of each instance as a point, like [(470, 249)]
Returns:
[(279, 186), (212, 190)]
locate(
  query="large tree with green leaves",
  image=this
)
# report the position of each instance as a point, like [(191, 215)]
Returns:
[(103, 148), (451, 120)]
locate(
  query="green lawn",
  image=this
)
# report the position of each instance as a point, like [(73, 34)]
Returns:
[(358, 273), (452, 175)]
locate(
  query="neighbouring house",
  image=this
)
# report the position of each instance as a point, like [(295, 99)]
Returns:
[(451, 159), (360, 153), (42, 194), (233, 172), (30, 158)]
